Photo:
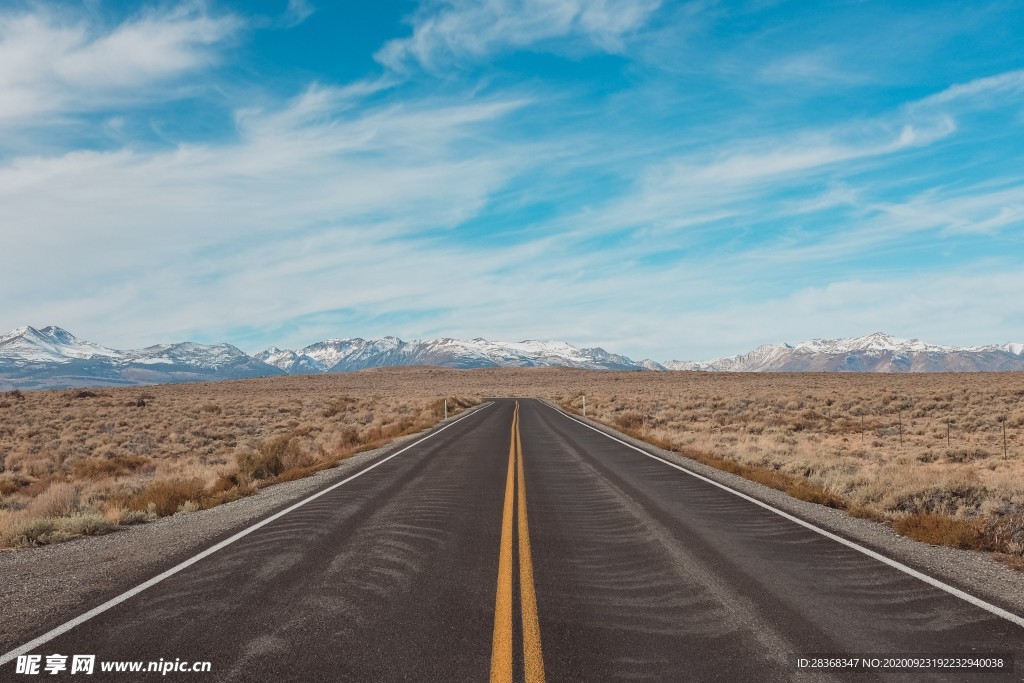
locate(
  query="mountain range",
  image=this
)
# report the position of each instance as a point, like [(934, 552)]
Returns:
[(876, 352), (346, 355), (51, 357)]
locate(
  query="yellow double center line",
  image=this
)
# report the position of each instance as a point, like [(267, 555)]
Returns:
[(501, 647)]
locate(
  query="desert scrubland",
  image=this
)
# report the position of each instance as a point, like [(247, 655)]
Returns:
[(940, 457), (922, 452), (85, 461)]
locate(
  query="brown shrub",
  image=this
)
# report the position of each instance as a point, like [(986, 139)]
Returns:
[(164, 496), (269, 458), (58, 500), (336, 406), (1005, 533), (630, 420), (948, 499), (966, 454), (35, 531), (1015, 562), (348, 438), (939, 529), (98, 468), (226, 488), (224, 482), (8, 485)]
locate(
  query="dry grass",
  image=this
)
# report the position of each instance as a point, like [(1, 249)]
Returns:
[(82, 462), (922, 452)]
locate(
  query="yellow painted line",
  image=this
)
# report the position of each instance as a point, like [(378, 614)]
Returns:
[(501, 643), (533, 660)]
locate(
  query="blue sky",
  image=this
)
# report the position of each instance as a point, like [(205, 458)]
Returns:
[(673, 180)]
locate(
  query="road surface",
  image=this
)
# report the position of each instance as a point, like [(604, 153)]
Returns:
[(520, 544)]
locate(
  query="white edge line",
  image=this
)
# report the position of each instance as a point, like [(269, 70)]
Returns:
[(977, 602), (113, 602)]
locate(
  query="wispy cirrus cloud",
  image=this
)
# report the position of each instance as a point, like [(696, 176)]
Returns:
[(817, 68), (297, 12), (984, 91), (317, 170), (53, 64), (651, 203), (446, 32), (976, 210), (912, 305), (736, 178)]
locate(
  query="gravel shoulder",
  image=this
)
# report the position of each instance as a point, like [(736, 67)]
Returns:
[(41, 588), (974, 572)]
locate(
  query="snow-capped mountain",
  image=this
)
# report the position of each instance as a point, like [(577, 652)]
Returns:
[(55, 358), (345, 355), (52, 357), (876, 352), (48, 345), (290, 361)]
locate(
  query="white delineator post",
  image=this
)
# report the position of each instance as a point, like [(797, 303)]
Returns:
[(446, 409), (584, 405)]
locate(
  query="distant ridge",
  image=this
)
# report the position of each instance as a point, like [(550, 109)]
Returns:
[(878, 352), (346, 355), (52, 357)]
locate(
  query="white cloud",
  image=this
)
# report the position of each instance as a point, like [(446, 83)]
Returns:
[(805, 155), (446, 32), (978, 91), (973, 210), (818, 68), (337, 188), (329, 203), (297, 12), (741, 178), (917, 306), (52, 65)]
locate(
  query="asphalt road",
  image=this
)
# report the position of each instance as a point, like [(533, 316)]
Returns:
[(519, 544)]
